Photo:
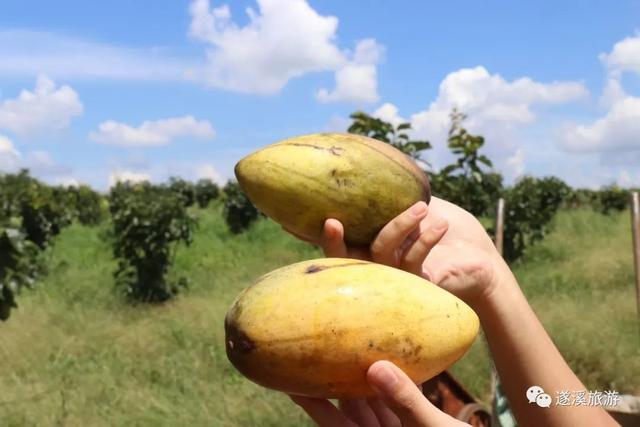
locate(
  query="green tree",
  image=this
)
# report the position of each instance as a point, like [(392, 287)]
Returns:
[(206, 190), (469, 181), (239, 212), (397, 136)]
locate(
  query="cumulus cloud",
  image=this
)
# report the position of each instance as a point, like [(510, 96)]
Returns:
[(41, 163), (156, 132), (356, 79), (496, 108), (625, 56), (389, 113), (46, 108), (127, 176), (9, 156), (282, 40), (618, 129), (515, 164), (209, 172)]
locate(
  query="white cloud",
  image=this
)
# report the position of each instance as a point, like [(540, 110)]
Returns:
[(41, 163), (356, 80), (617, 130), (497, 109), (47, 108), (156, 132), (625, 56), (515, 164), (28, 52), (9, 156), (208, 171), (389, 113), (127, 176), (283, 39)]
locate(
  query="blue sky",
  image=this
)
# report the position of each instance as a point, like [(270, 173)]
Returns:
[(98, 91)]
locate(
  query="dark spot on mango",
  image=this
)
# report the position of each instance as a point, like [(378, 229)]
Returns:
[(314, 269)]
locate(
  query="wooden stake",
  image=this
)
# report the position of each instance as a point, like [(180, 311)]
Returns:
[(500, 226), (635, 230)]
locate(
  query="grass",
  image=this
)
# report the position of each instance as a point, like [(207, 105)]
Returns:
[(75, 354)]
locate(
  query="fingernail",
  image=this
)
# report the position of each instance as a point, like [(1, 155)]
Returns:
[(384, 379), (440, 225), (418, 209)]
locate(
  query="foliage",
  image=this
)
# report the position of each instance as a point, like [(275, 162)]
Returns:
[(42, 214), (529, 207), (206, 191), (239, 212), (20, 264), (466, 182), (148, 222), (613, 199), (397, 136), (184, 189), (86, 203)]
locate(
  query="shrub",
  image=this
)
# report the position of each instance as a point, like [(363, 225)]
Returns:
[(148, 223), (206, 191), (184, 189), (239, 212), (43, 215), (613, 199), (529, 207), (20, 264)]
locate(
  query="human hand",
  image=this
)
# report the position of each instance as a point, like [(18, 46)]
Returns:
[(403, 243), (442, 243), (398, 402)]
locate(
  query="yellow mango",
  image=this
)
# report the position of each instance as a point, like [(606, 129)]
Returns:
[(362, 182), (313, 328)]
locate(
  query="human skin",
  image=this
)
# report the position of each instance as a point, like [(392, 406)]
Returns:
[(448, 246)]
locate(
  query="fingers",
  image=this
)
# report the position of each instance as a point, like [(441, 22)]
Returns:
[(322, 412), (385, 246), (415, 254), (402, 396), (332, 242), (386, 417), (358, 411)]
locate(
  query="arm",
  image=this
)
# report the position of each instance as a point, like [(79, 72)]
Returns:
[(525, 355)]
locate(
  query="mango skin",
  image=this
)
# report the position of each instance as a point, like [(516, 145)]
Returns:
[(362, 182), (313, 328)]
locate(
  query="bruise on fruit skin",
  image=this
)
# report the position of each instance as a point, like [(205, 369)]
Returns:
[(317, 268), (238, 342), (333, 149)]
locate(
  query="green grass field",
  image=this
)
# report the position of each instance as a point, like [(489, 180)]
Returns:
[(76, 354)]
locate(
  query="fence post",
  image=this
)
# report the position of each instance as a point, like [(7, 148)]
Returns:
[(635, 230), (499, 237)]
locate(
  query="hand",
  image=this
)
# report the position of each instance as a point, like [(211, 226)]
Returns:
[(399, 402), (442, 243), (403, 243)]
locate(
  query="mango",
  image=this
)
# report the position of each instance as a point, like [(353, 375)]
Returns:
[(362, 182), (313, 328)]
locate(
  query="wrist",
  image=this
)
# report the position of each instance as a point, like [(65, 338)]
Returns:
[(499, 289)]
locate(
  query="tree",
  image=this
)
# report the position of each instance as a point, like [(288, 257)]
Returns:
[(397, 136), (466, 182), (239, 212), (206, 190)]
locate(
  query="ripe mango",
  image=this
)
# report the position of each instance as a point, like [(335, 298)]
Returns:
[(313, 328), (362, 182)]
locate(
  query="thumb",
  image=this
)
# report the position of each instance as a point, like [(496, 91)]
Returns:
[(404, 398)]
